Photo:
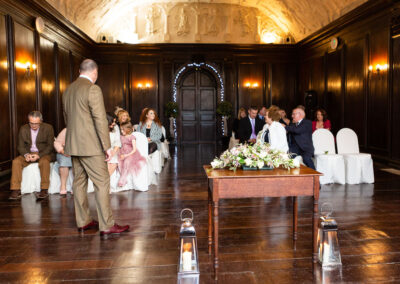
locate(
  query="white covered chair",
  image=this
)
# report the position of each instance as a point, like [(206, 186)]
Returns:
[(233, 141), (31, 178), (165, 145), (359, 166), (325, 158), (156, 160)]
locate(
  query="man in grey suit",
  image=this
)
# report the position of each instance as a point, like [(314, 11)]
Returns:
[(88, 142)]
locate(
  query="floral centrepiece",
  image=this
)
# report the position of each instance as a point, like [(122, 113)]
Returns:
[(258, 155)]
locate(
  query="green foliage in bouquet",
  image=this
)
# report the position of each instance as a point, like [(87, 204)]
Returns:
[(171, 109), (258, 156), (224, 109)]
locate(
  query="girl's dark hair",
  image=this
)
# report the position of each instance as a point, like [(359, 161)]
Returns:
[(110, 119)]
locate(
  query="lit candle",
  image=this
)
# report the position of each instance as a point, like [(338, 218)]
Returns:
[(187, 260), (326, 253)]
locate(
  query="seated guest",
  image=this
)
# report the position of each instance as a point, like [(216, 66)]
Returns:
[(273, 132), (130, 161), (150, 126), (115, 143), (262, 112), (284, 119), (321, 120), (122, 115), (250, 126), (35, 145), (64, 161), (241, 114), (301, 137)]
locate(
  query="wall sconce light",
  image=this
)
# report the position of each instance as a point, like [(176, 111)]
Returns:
[(378, 68), (251, 85), (143, 87), (28, 67)]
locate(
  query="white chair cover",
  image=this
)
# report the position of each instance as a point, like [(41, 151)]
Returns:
[(359, 166), (165, 145), (135, 126), (233, 141), (31, 178), (325, 158), (55, 181), (156, 159)]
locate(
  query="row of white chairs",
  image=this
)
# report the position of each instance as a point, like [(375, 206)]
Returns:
[(146, 177), (348, 165)]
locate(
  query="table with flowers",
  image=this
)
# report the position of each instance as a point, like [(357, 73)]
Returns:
[(226, 180)]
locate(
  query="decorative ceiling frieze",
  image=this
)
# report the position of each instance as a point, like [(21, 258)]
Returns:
[(202, 21)]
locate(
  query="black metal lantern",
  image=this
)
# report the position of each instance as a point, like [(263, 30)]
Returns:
[(188, 260), (328, 244)]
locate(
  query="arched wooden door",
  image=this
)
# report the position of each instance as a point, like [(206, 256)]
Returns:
[(197, 102)]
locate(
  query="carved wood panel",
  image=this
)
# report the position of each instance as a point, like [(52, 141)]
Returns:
[(5, 123), (25, 97), (48, 69)]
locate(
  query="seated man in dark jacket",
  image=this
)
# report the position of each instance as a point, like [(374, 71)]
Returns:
[(301, 137), (250, 126), (35, 145)]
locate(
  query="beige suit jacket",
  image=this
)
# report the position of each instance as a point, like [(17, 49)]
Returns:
[(85, 117)]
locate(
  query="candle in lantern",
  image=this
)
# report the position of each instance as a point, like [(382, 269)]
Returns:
[(187, 261), (187, 257)]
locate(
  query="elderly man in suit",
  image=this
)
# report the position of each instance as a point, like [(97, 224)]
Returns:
[(250, 126), (35, 145), (88, 143), (301, 137)]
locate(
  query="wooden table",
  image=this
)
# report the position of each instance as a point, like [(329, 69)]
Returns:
[(226, 184)]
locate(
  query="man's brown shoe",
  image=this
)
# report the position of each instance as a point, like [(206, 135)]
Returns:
[(42, 195), (92, 225), (15, 195), (116, 229)]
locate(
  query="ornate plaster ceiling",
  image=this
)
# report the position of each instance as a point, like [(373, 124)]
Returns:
[(203, 21)]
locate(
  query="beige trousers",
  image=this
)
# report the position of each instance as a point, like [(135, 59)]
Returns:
[(95, 168), (19, 164)]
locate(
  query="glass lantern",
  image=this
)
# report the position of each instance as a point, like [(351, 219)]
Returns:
[(188, 260), (327, 238)]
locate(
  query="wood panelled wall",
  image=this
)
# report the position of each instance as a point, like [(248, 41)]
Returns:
[(355, 97), (368, 102), (123, 67), (56, 53)]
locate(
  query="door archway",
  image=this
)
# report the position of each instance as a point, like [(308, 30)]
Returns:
[(197, 88)]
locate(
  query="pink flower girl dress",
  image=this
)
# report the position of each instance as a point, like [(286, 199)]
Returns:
[(133, 163)]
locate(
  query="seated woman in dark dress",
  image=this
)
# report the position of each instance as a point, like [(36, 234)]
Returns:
[(241, 114)]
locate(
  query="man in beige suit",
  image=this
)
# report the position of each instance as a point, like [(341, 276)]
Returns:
[(88, 142)]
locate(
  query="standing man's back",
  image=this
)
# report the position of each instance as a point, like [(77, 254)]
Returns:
[(88, 142)]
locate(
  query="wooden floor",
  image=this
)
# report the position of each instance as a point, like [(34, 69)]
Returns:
[(39, 242)]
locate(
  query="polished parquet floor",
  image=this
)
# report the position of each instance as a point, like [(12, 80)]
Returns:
[(39, 242)]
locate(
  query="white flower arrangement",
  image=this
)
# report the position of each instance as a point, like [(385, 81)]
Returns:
[(258, 155)]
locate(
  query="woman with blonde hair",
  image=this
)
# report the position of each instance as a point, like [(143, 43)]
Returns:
[(241, 114), (122, 115)]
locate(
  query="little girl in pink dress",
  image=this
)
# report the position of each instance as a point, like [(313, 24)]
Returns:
[(129, 161)]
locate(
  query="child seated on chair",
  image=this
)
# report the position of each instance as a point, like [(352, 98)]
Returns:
[(64, 161), (130, 162)]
